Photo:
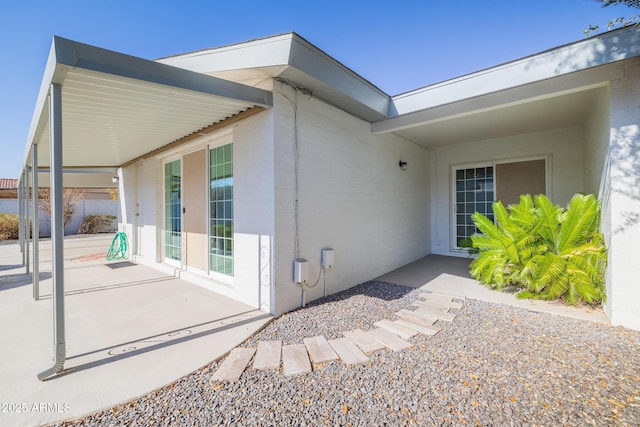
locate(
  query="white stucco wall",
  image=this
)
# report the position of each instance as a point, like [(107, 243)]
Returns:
[(353, 197), (621, 214), (564, 148)]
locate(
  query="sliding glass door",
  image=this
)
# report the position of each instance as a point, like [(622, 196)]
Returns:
[(476, 187)]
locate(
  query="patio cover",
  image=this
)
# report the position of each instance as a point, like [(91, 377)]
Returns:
[(117, 107), (98, 110)]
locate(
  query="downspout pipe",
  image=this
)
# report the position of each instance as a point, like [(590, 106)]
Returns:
[(57, 232)]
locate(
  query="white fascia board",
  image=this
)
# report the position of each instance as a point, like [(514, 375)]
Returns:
[(288, 50), (267, 52), (314, 62), (67, 54), (598, 50)]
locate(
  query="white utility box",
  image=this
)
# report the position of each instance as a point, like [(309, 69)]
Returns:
[(300, 270), (328, 258)]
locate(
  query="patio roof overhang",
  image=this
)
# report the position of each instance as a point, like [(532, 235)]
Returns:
[(548, 90), (116, 108)]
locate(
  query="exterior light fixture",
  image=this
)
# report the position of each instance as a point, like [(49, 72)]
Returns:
[(115, 179), (403, 165)]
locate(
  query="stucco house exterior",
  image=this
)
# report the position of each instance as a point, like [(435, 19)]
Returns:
[(234, 162)]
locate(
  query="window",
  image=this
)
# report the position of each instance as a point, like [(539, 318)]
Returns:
[(221, 210), (173, 211)]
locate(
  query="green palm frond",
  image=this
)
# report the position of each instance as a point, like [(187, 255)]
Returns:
[(549, 252), (550, 216), (580, 222)]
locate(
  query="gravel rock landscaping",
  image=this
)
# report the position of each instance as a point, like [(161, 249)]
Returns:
[(493, 365)]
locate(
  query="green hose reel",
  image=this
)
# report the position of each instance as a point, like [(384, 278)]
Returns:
[(118, 248)]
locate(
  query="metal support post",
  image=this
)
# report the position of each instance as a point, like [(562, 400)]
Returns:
[(21, 215), (36, 222), (57, 231), (27, 223)]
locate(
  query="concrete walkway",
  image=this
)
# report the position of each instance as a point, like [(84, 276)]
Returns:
[(450, 275), (129, 330)]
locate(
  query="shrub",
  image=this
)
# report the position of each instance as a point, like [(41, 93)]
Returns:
[(96, 224), (70, 196), (544, 250), (9, 226)]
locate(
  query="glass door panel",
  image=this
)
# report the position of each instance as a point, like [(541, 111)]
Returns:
[(474, 192), (173, 211)]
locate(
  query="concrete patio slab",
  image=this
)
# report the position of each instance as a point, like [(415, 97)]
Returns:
[(129, 330), (450, 276)]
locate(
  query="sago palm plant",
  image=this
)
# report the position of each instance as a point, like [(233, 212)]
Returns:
[(549, 252), (505, 247)]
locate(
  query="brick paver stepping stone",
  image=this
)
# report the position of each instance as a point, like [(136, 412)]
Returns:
[(319, 350), (234, 364), (268, 355), (348, 351), (389, 339), (423, 314), (439, 305), (442, 298), (410, 316), (366, 342), (423, 329), (400, 330), (441, 315), (295, 359)]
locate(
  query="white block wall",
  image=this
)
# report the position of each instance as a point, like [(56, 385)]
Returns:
[(621, 216), (596, 143), (564, 146), (142, 210), (353, 197)]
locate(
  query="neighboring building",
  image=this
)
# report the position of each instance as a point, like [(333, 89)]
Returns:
[(236, 161), (8, 188)]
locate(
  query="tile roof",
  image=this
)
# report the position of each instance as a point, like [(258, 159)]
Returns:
[(8, 183)]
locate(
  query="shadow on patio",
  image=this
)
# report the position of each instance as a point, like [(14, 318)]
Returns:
[(129, 330)]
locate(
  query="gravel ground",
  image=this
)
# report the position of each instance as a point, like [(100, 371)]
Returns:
[(493, 365)]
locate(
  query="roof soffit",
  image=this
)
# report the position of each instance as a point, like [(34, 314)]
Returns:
[(116, 107)]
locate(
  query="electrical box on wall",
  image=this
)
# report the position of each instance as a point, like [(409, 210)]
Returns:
[(300, 270), (328, 258)]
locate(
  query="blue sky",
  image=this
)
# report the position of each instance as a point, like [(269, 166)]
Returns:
[(397, 45)]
